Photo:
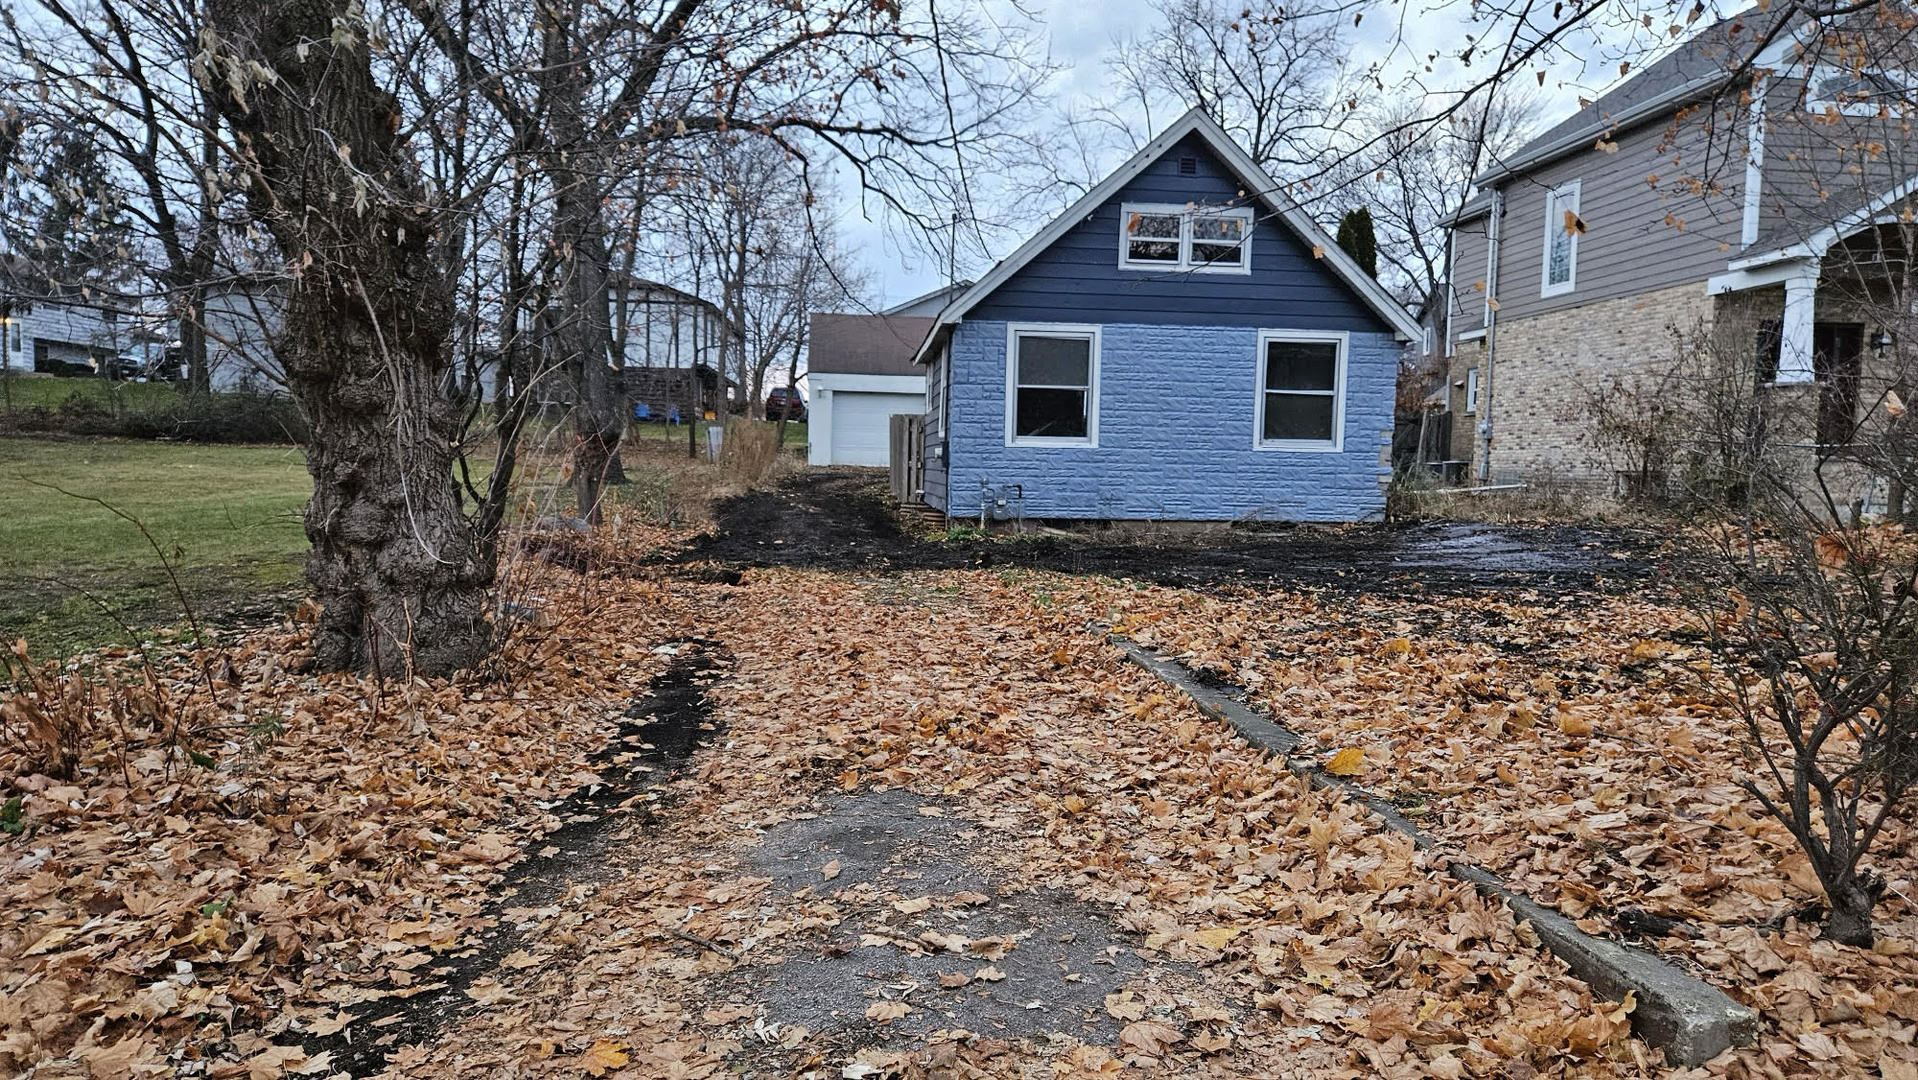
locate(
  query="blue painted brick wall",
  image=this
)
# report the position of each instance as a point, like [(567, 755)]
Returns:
[(1176, 414)]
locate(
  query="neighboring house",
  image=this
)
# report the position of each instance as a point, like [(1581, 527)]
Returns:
[(1183, 343), (242, 315), (931, 303), (671, 346), (52, 329), (1739, 191), (674, 345), (861, 373)]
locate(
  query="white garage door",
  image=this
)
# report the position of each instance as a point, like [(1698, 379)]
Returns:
[(862, 425)]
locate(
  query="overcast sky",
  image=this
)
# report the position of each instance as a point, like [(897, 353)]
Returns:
[(1083, 33)]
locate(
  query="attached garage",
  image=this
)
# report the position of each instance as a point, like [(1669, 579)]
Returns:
[(859, 374)]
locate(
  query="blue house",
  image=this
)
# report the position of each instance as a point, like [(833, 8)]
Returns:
[(1182, 344)]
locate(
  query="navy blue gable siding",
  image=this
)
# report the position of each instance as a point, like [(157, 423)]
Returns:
[(1078, 278)]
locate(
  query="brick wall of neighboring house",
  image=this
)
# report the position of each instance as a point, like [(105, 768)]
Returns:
[(1550, 364), (1469, 357)]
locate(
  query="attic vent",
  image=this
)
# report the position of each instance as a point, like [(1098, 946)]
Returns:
[(1188, 166)]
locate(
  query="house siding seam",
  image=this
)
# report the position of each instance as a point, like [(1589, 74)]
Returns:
[(1175, 435)]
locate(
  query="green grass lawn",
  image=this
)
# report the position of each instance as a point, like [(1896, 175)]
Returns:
[(72, 573)]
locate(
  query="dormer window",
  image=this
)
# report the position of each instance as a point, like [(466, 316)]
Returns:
[(1169, 237)]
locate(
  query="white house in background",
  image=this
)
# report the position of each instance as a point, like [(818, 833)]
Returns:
[(56, 330), (860, 371), (242, 316)]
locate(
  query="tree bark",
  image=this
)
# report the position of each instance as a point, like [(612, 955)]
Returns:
[(583, 330), (401, 582)]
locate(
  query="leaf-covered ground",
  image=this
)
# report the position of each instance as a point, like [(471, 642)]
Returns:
[(940, 828)]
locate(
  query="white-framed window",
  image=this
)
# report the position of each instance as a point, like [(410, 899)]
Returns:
[(1052, 384), (1301, 402), (1563, 227), (1471, 390), (1864, 92), (1166, 236)]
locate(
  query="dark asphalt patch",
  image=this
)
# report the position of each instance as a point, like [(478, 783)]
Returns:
[(839, 520), (1044, 963)]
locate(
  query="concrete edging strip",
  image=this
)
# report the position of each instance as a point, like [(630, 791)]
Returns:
[(1690, 1019)]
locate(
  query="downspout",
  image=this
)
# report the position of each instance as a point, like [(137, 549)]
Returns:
[(1486, 383)]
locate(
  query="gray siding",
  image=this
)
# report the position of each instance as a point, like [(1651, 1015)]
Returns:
[(1640, 235), (1468, 277), (1821, 166), (934, 431)]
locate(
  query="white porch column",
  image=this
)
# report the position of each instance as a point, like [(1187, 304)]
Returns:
[(1795, 350)]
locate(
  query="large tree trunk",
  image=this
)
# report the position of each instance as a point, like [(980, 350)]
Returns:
[(401, 583), (583, 330)]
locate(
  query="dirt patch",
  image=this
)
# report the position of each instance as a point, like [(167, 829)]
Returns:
[(930, 935), (660, 733), (839, 520)]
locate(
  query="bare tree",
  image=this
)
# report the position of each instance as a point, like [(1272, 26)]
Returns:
[(1267, 72)]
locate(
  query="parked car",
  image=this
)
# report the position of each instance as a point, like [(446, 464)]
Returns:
[(784, 399)]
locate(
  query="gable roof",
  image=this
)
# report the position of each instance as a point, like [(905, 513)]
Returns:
[(943, 295), (865, 344), (1702, 64), (1256, 180)]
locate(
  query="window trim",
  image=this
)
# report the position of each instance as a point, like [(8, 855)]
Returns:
[(1816, 101), (1555, 219), (1471, 390), (1343, 340), (1186, 212), (1086, 331)]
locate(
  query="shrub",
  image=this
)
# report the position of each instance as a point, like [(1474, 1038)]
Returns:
[(242, 416)]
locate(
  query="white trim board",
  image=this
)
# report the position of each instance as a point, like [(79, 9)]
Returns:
[(872, 384), (1266, 189)]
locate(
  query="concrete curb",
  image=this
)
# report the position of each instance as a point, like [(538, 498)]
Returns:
[(1690, 1019)]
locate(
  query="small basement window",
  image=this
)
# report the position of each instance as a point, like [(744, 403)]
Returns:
[(1156, 236), (1301, 390), (1052, 385)]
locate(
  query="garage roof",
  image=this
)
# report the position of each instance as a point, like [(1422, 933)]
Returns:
[(866, 344)]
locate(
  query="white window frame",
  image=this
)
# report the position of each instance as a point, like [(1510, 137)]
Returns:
[(1471, 390), (1086, 331), (1340, 338), (1186, 212), (1816, 101), (1555, 223)]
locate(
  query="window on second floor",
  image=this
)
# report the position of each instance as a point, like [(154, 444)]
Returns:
[(1155, 236), (1563, 227), (1865, 92)]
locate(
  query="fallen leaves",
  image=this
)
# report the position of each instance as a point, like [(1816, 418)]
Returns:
[(1347, 762), (603, 1057)]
